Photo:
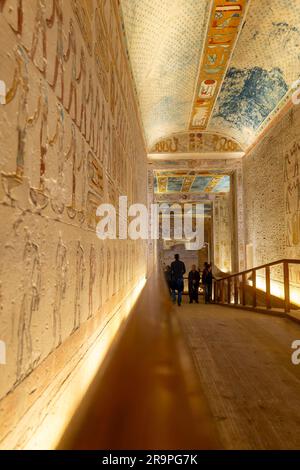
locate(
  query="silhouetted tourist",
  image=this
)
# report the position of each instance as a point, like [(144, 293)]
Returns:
[(194, 281), (177, 270), (203, 279), (208, 284), (205, 266), (204, 272)]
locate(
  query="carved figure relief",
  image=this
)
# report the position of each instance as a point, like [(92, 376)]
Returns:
[(58, 76), (292, 195), (69, 102), (101, 276), (92, 279), (39, 34), (31, 290), (61, 267), (80, 276)]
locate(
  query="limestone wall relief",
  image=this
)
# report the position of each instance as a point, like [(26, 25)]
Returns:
[(222, 233), (272, 194), (70, 139)]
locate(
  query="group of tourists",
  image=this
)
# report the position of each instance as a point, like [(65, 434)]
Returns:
[(174, 277)]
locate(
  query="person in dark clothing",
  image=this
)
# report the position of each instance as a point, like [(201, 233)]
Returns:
[(204, 272), (208, 284), (177, 270), (194, 281), (205, 266)]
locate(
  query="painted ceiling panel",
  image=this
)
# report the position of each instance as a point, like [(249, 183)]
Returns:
[(200, 183), (165, 40), (223, 185), (167, 182), (174, 184), (176, 48), (265, 63), (224, 25)]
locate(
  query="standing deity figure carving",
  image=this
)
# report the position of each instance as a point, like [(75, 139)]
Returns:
[(57, 201), (38, 195), (80, 275), (73, 85), (61, 267), (82, 168), (57, 19), (21, 84), (31, 288), (84, 94), (92, 279), (40, 29), (20, 90), (101, 276), (71, 208)]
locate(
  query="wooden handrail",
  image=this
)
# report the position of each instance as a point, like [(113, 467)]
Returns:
[(257, 268), (240, 300), (147, 394)]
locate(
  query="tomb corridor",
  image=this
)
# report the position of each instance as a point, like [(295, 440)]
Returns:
[(150, 224)]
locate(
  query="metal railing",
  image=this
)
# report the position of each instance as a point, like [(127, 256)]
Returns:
[(240, 289)]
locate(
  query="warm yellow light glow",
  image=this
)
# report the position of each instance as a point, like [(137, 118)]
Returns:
[(62, 408), (277, 289)]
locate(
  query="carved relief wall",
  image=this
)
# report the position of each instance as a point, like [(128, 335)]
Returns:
[(70, 140), (222, 232), (271, 193)]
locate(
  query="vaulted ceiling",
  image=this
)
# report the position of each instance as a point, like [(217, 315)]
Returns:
[(216, 69)]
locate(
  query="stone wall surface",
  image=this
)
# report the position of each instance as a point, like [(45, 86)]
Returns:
[(222, 233), (70, 139), (271, 193)]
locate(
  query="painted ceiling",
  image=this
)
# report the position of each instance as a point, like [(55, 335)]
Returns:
[(221, 67), (168, 182)]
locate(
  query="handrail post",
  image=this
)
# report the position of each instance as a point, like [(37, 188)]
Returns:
[(229, 290), (243, 289), (286, 278), (222, 291), (236, 292), (254, 288), (268, 288)]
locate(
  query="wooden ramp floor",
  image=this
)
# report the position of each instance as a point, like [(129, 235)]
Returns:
[(244, 363)]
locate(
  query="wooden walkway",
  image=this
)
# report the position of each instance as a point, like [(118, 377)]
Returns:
[(244, 363)]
